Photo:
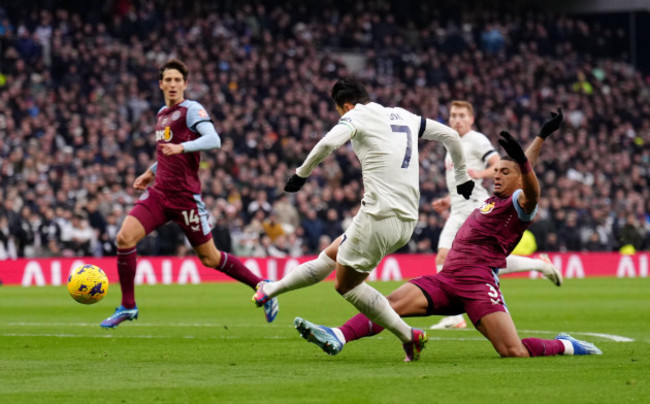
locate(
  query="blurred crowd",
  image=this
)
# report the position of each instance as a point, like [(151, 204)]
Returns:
[(79, 95)]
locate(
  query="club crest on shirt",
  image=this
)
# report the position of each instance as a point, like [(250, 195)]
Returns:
[(176, 115), (486, 208), (164, 134)]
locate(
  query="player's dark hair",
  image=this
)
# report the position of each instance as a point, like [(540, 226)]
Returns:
[(508, 158), (349, 91), (176, 65)]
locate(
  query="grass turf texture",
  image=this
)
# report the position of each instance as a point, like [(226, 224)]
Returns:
[(207, 343)]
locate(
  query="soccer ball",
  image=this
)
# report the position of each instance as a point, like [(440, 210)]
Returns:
[(87, 284)]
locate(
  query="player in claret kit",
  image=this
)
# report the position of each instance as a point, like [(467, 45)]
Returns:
[(468, 281), (481, 159), (183, 129), (386, 142)]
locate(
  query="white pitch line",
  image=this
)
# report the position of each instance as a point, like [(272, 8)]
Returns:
[(25, 324), (131, 336), (613, 337)]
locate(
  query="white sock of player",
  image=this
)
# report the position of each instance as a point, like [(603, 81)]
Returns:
[(377, 308), (305, 274), (568, 347), (515, 263), (339, 335)]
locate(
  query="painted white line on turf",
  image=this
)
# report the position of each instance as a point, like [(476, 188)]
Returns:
[(26, 324), (617, 338), (613, 337), (133, 336)]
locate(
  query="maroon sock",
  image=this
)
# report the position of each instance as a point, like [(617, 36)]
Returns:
[(543, 347), (233, 267), (359, 326), (126, 264)]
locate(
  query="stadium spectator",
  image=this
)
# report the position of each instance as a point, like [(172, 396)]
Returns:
[(266, 81)]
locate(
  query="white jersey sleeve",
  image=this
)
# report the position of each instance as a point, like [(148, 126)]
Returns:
[(477, 149), (336, 137), (436, 131)]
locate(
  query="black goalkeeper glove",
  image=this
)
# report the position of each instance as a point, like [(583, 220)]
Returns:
[(512, 147), (551, 124), (295, 183), (465, 189)]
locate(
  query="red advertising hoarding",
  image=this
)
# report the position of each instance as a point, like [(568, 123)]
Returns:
[(167, 270)]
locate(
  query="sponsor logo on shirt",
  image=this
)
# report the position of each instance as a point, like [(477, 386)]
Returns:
[(164, 134), (486, 208)]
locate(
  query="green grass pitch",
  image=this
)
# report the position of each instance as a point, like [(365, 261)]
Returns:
[(208, 344)]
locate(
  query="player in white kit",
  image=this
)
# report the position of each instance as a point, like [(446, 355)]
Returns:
[(386, 142), (481, 158)]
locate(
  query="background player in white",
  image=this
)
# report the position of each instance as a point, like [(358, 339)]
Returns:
[(481, 158), (386, 142)]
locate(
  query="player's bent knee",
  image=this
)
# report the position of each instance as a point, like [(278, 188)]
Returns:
[(513, 352), (124, 240), (210, 261)]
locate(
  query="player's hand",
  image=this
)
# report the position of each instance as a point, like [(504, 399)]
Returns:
[(143, 180), (551, 124), (473, 174), (441, 204), (512, 147), (295, 183), (465, 189), (169, 149)]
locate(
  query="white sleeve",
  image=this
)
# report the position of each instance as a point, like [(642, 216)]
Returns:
[(336, 137), (442, 133)]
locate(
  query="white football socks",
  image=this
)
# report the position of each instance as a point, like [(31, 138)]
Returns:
[(306, 274), (377, 308), (568, 347), (515, 263)]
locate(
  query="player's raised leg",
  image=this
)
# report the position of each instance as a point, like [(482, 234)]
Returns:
[(516, 263), (306, 274), (231, 265)]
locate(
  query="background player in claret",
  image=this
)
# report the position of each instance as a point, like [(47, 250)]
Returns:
[(468, 281), (481, 159), (183, 129), (386, 142)]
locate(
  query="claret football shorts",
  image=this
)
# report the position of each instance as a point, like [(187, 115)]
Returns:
[(155, 208)]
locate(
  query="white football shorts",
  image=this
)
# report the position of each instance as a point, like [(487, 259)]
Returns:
[(456, 219), (368, 240)]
